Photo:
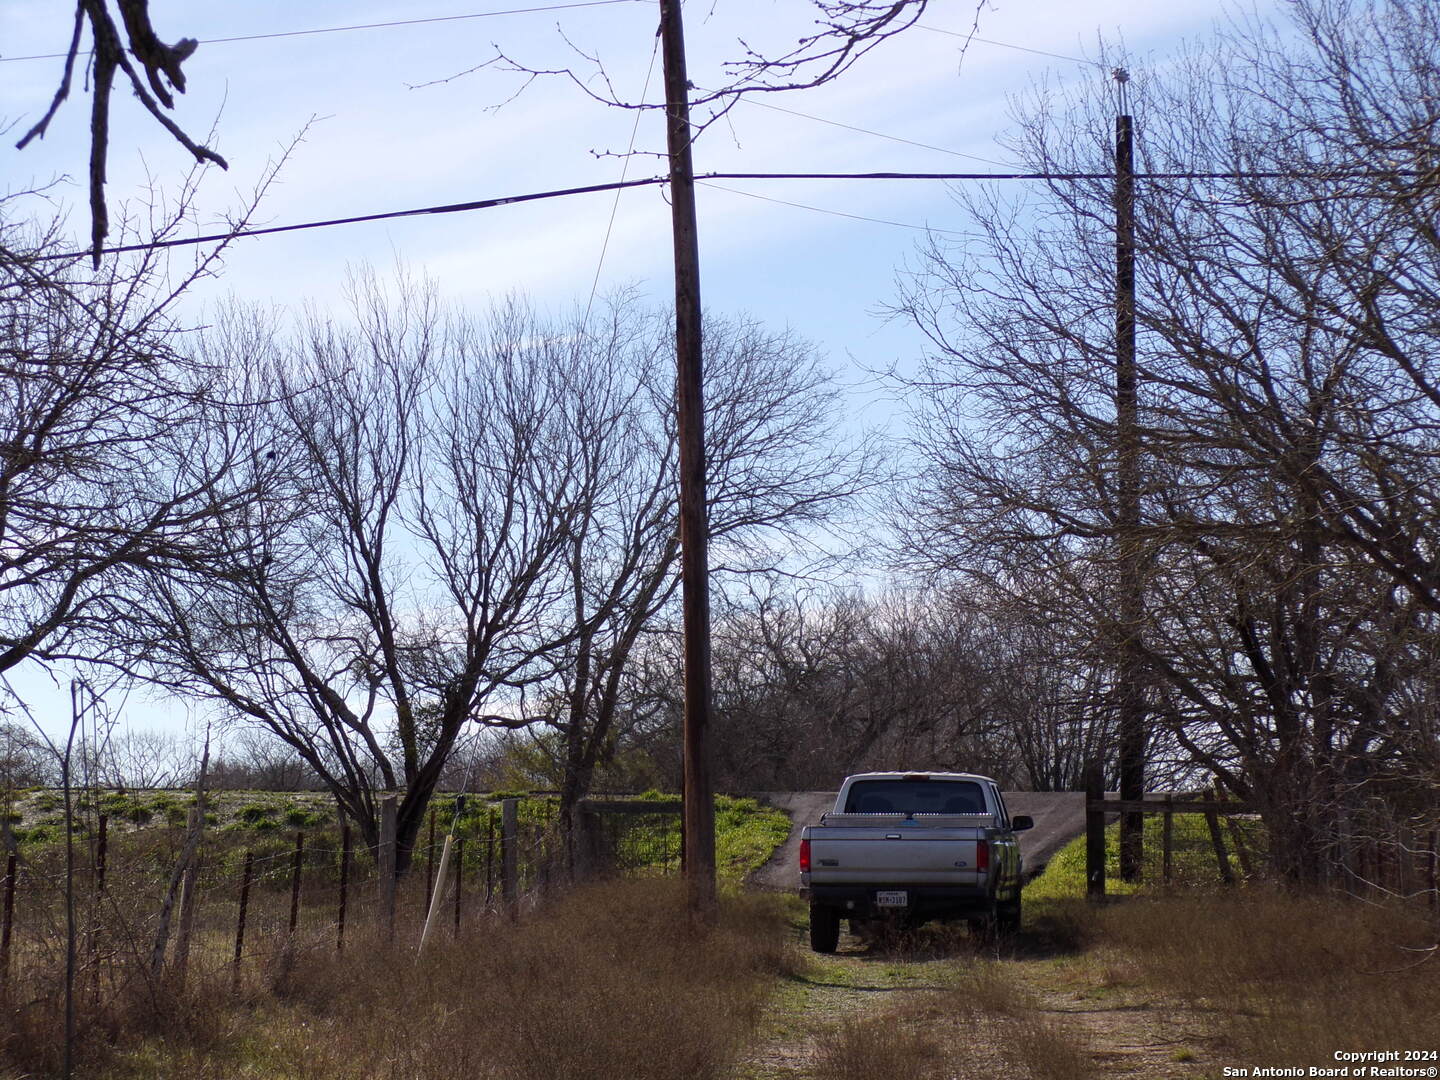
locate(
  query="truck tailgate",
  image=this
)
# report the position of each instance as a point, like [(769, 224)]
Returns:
[(919, 856)]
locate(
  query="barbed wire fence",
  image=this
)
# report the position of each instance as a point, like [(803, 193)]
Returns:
[(254, 903)]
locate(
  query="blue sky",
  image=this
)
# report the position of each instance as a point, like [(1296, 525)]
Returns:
[(380, 140)]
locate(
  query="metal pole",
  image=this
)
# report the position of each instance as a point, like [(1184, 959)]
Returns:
[(690, 428), (344, 887), (245, 879), (102, 848), (295, 881), (489, 857), (7, 923), (509, 842)]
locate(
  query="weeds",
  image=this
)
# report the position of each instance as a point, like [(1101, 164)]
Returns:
[(610, 981), (986, 1026), (880, 1046), (1292, 972)]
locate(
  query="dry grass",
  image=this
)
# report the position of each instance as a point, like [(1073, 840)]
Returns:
[(987, 1025), (1289, 974), (880, 1046), (609, 982)]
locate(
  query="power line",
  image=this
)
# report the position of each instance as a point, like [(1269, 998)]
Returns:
[(1353, 174), (624, 172), (1007, 45), (867, 131), (450, 208), (833, 213), (362, 26), (555, 193)]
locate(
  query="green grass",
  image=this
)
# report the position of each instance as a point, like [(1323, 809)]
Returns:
[(1193, 860), (746, 834)]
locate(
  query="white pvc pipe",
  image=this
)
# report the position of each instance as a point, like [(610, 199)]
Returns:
[(438, 893)]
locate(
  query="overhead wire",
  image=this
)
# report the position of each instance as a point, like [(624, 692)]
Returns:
[(868, 131), (364, 26), (1008, 45), (624, 175), (833, 213), (554, 193)]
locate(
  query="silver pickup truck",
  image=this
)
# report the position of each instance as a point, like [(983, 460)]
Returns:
[(912, 847)]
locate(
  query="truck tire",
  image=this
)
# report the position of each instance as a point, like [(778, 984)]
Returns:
[(824, 928)]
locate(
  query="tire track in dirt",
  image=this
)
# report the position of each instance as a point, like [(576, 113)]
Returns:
[(1001, 1005)]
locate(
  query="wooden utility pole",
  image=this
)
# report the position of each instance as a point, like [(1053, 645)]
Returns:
[(1130, 689), (694, 523)]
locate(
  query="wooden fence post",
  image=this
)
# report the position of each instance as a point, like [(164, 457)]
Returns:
[(1094, 833), (245, 878), (7, 923), (295, 867), (188, 899), (344, 887), (509, 842), (459, 877), (1167, 841), (385, 860), (1212, 819)]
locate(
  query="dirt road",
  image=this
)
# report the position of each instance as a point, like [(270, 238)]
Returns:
[(1059, 818), (943, 1005)]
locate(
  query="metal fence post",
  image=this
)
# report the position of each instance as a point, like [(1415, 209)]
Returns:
[(7, 923), (246, 876), (509, 864), (295, 868), (344, 887)]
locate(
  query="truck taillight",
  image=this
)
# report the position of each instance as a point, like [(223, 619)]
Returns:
[(804, 856), (982, 855)]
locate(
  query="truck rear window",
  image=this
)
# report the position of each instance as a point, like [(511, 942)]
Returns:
[(915, 797)]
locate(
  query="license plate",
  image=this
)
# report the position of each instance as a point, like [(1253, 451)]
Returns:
[(892, 899)]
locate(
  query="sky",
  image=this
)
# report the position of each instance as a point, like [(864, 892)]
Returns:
[(387, 121)]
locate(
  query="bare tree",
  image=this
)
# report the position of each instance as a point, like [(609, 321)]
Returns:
[(160, 64), (253, 759), (24, 759), (813, 682), (776, 472), (406, 577), (844, 32), (140, 758), (118, 450), (1287, 410)]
